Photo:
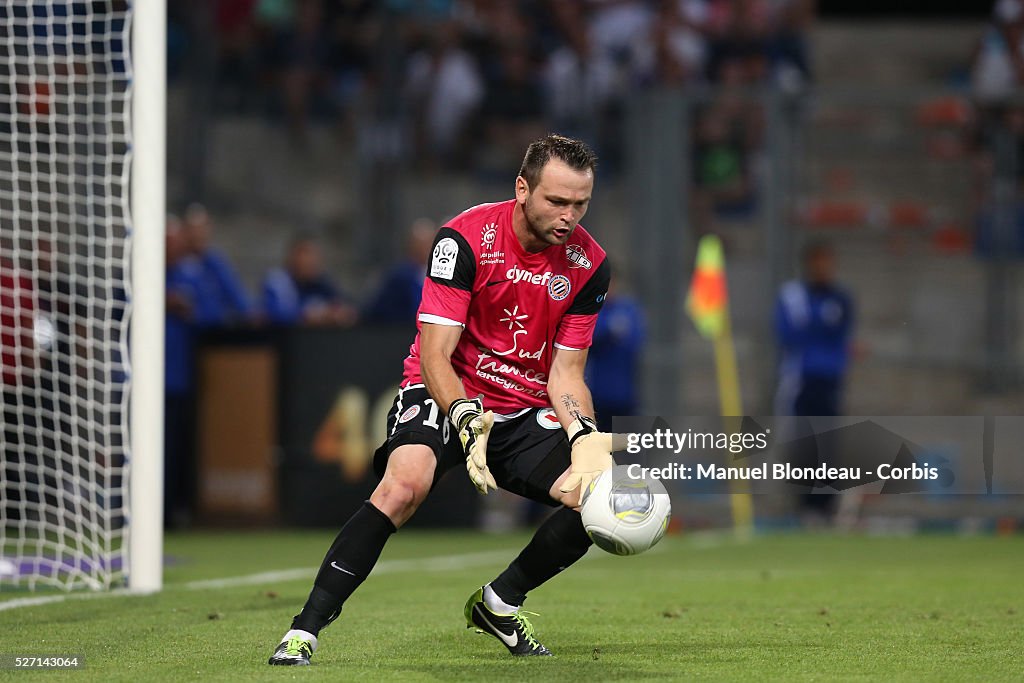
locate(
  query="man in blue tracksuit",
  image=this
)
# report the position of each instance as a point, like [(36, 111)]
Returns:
[(221, 300), (814, 325), (613, 364)]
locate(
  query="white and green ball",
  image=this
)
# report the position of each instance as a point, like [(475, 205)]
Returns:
[(625, 516)]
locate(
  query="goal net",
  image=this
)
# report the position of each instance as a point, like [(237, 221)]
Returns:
[(65, 294)]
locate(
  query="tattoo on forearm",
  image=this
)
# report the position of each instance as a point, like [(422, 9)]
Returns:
[(572, 405)]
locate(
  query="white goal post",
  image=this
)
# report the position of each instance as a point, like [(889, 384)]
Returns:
[(82, 149), (149, 95)]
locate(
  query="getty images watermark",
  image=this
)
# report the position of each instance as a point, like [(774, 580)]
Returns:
[(936, 455), (37, 661)]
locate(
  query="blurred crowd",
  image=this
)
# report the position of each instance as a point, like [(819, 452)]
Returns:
[(472, 78), (205, 291), (996, 128), (205, 294)]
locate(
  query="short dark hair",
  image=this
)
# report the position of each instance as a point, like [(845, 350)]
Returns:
[(575, 153), (301, 237), (815, 247)]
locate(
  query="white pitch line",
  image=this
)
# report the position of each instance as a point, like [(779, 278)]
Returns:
[(31, 602), (47, 599), (249, 579), (438, 563)]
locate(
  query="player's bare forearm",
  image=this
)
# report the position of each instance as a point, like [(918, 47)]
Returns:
[(569, 394), (571, 404), (444, 385), (437, 343)]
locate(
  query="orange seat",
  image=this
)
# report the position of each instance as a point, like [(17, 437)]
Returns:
[(943, 111), (908, 214), (951, 239), (836, 214)]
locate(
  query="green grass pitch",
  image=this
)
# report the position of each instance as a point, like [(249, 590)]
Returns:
[(783, 607)]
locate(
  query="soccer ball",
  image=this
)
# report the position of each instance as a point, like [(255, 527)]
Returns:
[(625, 516)]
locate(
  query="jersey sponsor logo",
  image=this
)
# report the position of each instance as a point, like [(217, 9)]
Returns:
[(508, 375), (487, 363), (577, 257), (410, 413), (559, 287), (517, 274), (514, 319), (547, 419), (442, 262), (492, 258), (487, 238)]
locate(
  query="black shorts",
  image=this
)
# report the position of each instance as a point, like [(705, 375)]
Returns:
[(525, 454)]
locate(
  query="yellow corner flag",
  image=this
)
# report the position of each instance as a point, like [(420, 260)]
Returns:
[(708, 300), (708, 305)]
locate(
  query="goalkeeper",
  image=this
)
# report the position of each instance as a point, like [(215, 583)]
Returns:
[(493, 382)]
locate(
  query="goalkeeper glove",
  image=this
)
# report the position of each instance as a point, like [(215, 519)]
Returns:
[(474, 425), (591, 454)]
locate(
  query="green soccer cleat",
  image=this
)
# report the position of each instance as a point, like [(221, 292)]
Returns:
[(293, 651), (514, 630)]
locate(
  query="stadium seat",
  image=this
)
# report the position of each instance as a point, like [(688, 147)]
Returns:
[(825, 214), (907, 214), (943, 111), (951, 239)]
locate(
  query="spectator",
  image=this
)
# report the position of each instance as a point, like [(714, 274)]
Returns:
[(490, 24), (17, 311), (302, 293), (613, 363), (398, 298), (66, 334), (304, 50), (221, 299), (740, 31), (677, 52), (238, 51), (791, 63), (998, 67), (579, 84), (183, 289), (997, 73), (354, 26), (723, 153), (513, 110), (618, 28), (19, 423), (444, 86), (814, 326), (182, 279)]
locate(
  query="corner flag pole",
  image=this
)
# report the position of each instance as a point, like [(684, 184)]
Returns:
[(708, 306)]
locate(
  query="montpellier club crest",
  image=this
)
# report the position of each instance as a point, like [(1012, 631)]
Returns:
[(559, 287)]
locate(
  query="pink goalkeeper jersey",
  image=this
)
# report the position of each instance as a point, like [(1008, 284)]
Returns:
[(515, 306)]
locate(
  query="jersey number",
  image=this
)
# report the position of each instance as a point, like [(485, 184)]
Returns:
[(431, 420)]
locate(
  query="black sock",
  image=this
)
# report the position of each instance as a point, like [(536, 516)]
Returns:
[(560, 541), (348, 562)]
